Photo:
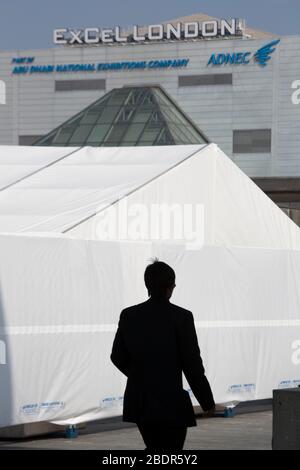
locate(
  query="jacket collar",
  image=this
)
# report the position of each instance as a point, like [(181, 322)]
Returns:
[(158, 300)]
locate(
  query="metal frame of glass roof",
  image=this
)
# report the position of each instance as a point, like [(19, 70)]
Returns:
[(128, 116)]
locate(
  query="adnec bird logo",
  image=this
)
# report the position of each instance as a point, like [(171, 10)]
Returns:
[(263, 55)]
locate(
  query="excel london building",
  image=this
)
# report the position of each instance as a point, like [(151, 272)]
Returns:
[(239, 86)]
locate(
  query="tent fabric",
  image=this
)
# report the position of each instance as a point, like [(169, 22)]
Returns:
[(67, 195), (236, 211), (66, 192), (63, 284), (59, 311), (17, 162)]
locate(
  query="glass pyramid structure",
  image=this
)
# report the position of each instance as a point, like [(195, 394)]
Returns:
[(128, 116)]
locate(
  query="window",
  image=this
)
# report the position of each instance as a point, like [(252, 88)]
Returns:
[(80, 85), (28, 139), (210, 79), (252, 141)]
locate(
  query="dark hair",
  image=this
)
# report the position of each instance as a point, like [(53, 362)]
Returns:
[(159, 277)]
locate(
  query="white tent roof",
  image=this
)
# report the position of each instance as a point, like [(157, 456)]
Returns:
[(63, 189), (51, 189), (236, 211), (244, 298), (17, 162)]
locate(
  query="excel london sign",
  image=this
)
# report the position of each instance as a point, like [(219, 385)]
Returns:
[(154, 32)]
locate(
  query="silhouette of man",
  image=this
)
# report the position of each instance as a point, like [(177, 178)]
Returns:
[(155, 342)]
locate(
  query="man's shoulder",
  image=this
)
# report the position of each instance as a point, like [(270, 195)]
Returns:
[(133, 309), (181, 312)]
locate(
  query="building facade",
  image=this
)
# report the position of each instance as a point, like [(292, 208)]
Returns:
[(243, 91)]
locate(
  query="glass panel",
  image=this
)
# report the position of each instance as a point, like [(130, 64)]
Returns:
[(63, 135), (144, 143), (191, 135), (73, 121), (107, 144), (150, 133), (133, 132), (156, 116), (92, 116), (142, 115), (80, 134), (98, 133), (93, 144), (116, 133), (178, 134), (109, 114), (127, 144), (148, 98), (171, 115), (118, 97), (165, 138), (135, 96), (161, 98), (47, 140), (125, 114)]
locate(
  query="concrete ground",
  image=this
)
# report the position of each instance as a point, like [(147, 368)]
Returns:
[(245, 431)]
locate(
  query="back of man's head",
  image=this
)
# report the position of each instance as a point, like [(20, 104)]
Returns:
[(159, 279)]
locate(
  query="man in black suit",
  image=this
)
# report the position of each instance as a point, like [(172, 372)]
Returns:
[(155, 342)]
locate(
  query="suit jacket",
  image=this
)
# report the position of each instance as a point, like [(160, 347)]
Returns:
[(155, 342)]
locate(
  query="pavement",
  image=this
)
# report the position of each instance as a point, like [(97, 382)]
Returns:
[(249, 431)]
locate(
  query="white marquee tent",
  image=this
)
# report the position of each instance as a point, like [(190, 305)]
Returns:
[(63, 283)]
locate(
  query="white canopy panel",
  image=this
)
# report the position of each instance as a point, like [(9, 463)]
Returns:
[(18, 162), (235, 211), (59, 314), (75, 187)]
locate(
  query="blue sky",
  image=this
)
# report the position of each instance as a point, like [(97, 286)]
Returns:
[(27, 24)]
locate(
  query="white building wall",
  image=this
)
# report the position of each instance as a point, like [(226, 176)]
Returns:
[(259, 98)]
